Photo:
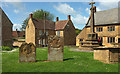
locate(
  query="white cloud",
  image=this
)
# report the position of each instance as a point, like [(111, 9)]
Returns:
[(16, 26), (16, 11), (79, 19), (66, 9), (107, 4), (87, 10)]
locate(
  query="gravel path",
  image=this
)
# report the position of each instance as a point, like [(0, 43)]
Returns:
[(80, 50)]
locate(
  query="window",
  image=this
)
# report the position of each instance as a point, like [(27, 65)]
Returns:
[(81, 40), (111, 28), (108, 29), (114, 28), (40, 32), (108, 40), (111, 39), (58, 33), (96, 29), (41, 41), (99, 29), (89, 35), (46, 32)]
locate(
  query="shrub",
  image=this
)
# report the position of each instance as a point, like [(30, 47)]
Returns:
[(6, 48)]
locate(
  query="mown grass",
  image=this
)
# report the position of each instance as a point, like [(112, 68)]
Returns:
[(73, 62)]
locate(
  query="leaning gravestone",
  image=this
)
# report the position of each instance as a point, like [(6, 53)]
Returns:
[(55, 48), (27, 53)]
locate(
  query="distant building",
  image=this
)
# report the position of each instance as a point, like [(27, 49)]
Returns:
[(6, 29), (66, 29), (17, 34), (107, 26), (37, 31)]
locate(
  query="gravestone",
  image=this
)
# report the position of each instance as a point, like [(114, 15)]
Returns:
[(27, 53), (55, 48)]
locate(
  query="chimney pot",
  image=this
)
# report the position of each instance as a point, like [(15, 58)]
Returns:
[(57, 19), (69, 17), (30, 15)]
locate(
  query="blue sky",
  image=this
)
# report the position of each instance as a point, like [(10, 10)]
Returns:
[(79, 11)]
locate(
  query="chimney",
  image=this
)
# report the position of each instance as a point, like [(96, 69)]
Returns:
[(94, 8), (57, 19), (69, 17), (30, 15)]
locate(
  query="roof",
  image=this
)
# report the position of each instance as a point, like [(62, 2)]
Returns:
[(60, 25), (40, 24), (106, 17)]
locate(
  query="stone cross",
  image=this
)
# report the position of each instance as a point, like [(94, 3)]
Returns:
[(92, 17), (55, 48)]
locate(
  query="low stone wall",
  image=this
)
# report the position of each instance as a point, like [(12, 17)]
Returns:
[(107, 55), (17, 44)]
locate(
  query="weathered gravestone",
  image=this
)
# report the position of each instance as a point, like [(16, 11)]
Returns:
[(55, 48), (27, 53)]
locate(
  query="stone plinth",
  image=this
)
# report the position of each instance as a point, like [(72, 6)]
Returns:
[(90, 43), (55, 48), (27, 53), (107, 54)]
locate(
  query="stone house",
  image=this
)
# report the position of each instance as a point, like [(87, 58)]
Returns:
[(5, 29), (66, 29), (37, 31), (107, 26)]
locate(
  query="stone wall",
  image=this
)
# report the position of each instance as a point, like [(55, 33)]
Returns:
[(30, 32), (6, 31), (55, 48), (69, 34), (107, 55)]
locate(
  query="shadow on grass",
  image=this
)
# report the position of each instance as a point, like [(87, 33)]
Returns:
[(68, 59), (47, 60)]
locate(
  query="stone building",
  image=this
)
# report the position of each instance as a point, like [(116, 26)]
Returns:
[(16, 34), (107, 26), (6, 29), (37, 31), (66, 29)]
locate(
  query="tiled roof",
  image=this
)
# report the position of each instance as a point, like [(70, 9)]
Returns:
[(106, 17), (40, 24), (60, 25)]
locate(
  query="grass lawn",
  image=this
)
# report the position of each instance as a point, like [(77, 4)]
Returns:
[(73, 62)]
